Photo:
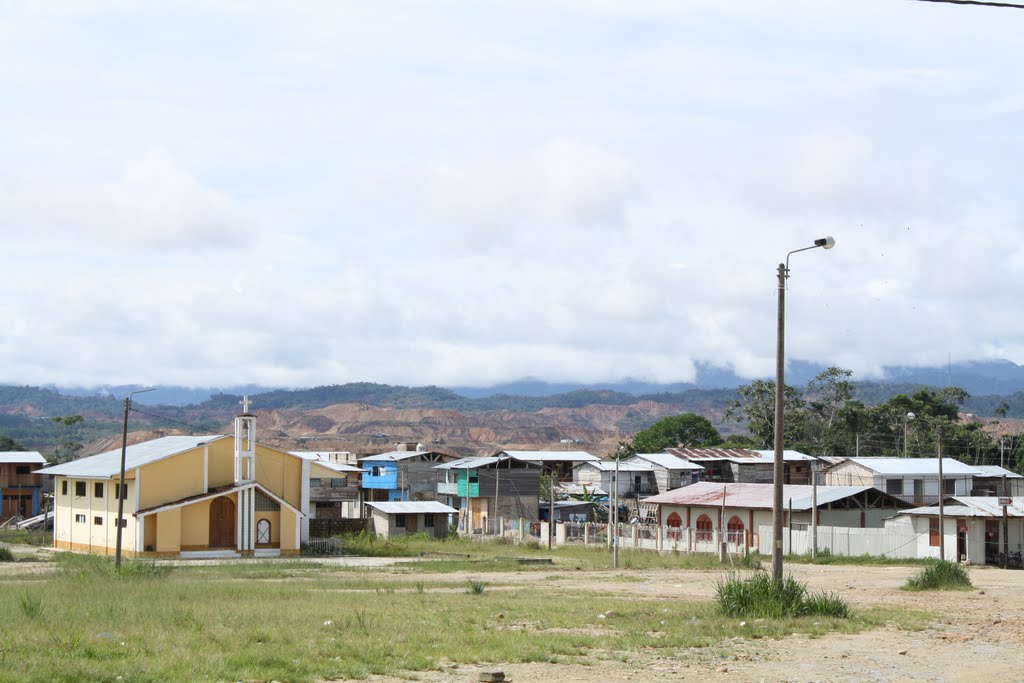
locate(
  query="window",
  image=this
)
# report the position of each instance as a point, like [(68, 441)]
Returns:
[(314, 483), (98, 489), (400, 521), (949, 487), (80, 490), (378, 471), (933, 532), (428, 521), (674, 523), (263, 531), (124, 491), (124, 523), (264, 503), (98, 521), (735, 530), (80, 519), (894, 487), (64, 488), (339, 482), (21, 469), (705, 531)]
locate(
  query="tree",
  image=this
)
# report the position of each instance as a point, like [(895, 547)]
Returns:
[(687, 430), (825, 397), (9, 444), (755, 405), (68, 447)]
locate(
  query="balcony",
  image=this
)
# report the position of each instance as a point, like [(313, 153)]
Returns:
[(448, 488)]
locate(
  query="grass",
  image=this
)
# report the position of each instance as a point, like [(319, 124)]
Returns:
[(87, 622), (26, 537), (940, 575), (827, 558), (6, 555), (760, 596)]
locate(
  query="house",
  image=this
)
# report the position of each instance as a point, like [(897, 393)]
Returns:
[(21, 486), (337, 496), (973, 526), (406, 474), (636, 477), (670, 471), (797, 467), (559, 463), (570, 511), (728, 465), (209, 495), (996, 481), (486, 489), (915, 480), (397, 518), (737, 510)]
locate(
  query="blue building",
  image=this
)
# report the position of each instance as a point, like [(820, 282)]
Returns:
[(402, 475)]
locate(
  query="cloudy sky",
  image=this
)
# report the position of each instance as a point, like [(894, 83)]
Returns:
[(293, 194)]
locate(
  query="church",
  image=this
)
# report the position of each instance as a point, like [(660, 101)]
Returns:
[(187, 496)]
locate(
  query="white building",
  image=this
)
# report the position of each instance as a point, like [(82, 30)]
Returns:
[(915, 480)]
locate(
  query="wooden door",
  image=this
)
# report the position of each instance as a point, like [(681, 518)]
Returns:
[(222, 523)]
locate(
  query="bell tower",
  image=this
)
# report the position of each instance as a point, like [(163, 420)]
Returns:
[(245, 444)]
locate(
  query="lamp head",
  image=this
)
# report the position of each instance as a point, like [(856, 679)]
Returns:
[(825, 242), (911, 416)]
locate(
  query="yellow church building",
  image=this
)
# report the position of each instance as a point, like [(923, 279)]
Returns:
[(187, 496)]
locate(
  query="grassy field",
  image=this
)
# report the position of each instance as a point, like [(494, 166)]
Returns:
[(300, 621)]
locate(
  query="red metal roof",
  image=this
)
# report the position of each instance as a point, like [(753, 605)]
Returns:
[(708, 454)]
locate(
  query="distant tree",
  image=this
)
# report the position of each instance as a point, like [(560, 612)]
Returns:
[(689, 430), (68, 447), (9, 444), (755, 405)]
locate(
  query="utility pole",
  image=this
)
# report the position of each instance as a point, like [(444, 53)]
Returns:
[(120, 480), (615, 516), (942, 495), (1006, 527), (814, 511), (497, 484)]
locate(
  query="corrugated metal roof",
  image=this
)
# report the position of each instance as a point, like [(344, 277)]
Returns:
[(624, 465), (412, 507), (21, 457), (582, 489), (106, 465), (709, 454), (995, 471), (973, 506), (338, 467), (394, 456), (787, 456), (668, 461), (552, 456), (756, 496), (469, 463), (915, 466)]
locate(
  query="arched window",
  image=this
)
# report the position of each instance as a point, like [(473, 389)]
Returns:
[(675, 523), (263, 531), (705, 530), (734, 530)]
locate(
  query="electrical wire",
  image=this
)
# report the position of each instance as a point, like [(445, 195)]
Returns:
[(983, 3)]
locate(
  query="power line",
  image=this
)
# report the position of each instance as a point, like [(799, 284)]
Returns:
[(977, 2), (191, 427)]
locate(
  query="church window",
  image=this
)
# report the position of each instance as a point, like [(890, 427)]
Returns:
[(265, 503)]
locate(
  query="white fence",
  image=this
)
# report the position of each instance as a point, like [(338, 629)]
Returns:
[(900, 543)]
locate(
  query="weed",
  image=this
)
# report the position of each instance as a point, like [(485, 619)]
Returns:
[(939, 576), (31, 605), (6, 555), (760, 596), (476, 587)]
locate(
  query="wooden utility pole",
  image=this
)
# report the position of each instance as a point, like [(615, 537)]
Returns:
[(814, 512), (942, 495)]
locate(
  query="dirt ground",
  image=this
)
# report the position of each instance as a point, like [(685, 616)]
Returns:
[(976, 635)]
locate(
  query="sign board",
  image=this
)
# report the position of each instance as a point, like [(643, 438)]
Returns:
[(1005, 500)]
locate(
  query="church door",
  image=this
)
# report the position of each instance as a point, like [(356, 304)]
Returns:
[(222, 523)]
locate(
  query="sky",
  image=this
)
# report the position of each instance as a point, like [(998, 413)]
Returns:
[(464, 193)]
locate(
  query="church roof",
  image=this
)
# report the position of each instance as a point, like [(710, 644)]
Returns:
[(107, 465)]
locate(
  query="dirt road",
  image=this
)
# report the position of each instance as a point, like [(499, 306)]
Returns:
[(976, 636)]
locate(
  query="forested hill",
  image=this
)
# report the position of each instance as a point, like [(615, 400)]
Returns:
[(42, 402)]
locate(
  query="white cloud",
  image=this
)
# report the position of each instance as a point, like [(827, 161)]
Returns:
[(439, 194)]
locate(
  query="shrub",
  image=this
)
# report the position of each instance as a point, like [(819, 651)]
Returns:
[(31, 605), (476, 587), (761, 597), (6, 555), (943, 575)]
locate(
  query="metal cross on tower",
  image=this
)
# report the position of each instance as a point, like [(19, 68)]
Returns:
[(245, 404)]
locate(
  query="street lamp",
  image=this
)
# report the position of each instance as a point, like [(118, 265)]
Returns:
[(906, 421), (780, 383), (120, 481)]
